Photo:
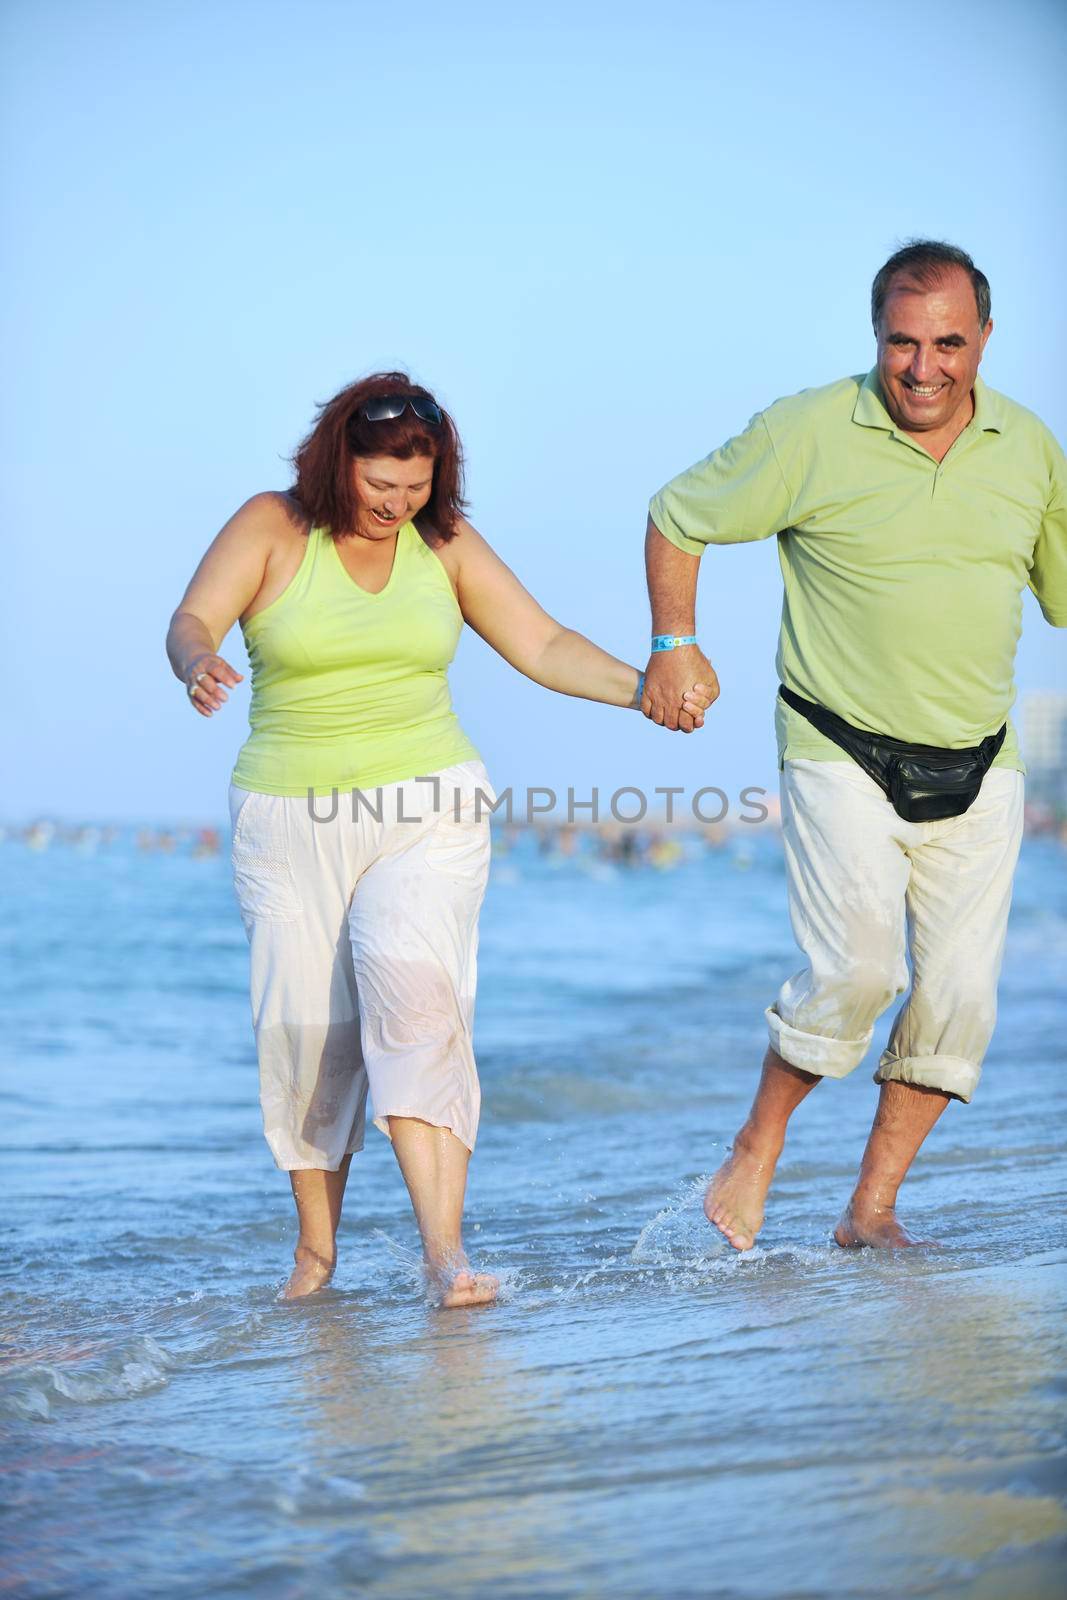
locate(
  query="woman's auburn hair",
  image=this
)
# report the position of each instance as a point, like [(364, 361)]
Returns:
[(325, 484)]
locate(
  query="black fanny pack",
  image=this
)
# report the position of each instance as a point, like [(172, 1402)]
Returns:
[(923, 782)]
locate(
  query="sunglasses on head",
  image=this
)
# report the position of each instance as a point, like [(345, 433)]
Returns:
[(389, 406)]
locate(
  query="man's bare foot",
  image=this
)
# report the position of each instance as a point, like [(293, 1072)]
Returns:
[(737, 1193), (877, 1227), (311, 1272)]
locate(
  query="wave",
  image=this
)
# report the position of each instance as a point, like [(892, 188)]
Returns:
[(33, 1383)]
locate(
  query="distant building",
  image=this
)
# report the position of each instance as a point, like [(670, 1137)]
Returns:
[(1044, 743)]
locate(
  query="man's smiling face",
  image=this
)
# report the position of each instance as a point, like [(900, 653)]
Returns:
[(929, 346)]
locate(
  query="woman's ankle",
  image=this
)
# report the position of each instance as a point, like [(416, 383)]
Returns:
[(325, 1257), (443, 1261)]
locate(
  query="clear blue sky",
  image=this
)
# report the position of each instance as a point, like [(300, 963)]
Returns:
[(605, 234)]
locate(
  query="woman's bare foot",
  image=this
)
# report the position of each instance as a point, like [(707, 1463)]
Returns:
[(874, 1226), (470, 1289), (454, 1283), (311, 1272), (736, 1195)]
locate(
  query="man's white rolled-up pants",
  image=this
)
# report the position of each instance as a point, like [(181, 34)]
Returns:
[(865, 887)]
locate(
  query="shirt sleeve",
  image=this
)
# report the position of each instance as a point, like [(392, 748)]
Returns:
[(1048, 575), (736, 494)]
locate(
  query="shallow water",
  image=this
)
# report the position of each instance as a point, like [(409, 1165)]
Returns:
[(644, 1413)]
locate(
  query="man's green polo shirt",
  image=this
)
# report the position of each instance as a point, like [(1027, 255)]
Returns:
[(903, 576)]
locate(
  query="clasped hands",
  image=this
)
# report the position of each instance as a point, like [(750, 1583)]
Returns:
[(680, 685)]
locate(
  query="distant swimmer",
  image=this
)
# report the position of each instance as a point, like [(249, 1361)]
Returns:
[(360, 808), (912, 506)]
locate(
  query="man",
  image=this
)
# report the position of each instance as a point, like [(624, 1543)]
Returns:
[(911, 507)]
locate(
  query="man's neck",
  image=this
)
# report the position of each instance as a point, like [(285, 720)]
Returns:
[(938, 442)]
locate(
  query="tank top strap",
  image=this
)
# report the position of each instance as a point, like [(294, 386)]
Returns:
[(429, 565), (309, 574), (407, 542)]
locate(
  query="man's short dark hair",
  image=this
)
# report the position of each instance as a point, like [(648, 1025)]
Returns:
[(925, 262)]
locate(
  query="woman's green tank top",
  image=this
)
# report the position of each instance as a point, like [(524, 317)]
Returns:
[(350, 689)]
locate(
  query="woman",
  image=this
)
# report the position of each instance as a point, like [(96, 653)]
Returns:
[(361, 905)]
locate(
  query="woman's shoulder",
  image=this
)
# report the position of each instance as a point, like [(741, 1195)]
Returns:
[(451, 552), (273, 511), (268, 524), (268, 532)]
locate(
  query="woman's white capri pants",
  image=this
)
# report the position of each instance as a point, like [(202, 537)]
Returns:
[(363, 929)]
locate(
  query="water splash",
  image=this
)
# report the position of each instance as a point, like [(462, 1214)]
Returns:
[(412, 1268), (679, 1235)]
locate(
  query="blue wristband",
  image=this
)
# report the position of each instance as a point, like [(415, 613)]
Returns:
[(671, 641), (639, 692)]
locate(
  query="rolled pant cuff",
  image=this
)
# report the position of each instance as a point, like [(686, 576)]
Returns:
[(950, 1074), (811, 1052)]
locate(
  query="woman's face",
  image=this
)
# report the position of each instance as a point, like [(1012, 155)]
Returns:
[(390, 492)]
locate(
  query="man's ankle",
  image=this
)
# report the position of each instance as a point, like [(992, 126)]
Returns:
[(872, 1203), (754, 1139)]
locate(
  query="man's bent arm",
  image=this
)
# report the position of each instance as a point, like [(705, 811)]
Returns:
[(672, 583), (672, 590), (1048, 575)]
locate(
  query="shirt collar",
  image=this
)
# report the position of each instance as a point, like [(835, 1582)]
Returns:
[(870, 412), (988, 414)]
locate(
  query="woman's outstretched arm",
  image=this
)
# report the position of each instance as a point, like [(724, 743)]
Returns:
[(508, 618)]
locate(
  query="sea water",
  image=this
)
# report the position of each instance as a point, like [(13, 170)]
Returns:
[(645, 1412)]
